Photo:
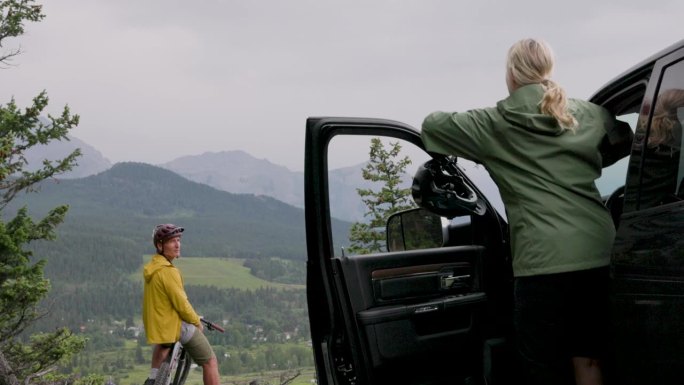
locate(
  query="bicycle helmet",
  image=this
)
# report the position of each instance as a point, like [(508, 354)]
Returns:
[(165, 231), (438, 187)]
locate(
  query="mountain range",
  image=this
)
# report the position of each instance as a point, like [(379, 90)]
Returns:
[(232, 171), (231, 204), (241, 173), (126, 201)]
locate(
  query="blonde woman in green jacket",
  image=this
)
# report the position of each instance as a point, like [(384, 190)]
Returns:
[(543, 152)]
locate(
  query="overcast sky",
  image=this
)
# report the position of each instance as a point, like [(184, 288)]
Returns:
[(154, 80)]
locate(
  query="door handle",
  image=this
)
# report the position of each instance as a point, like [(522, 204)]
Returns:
[(454, 281), (426, 309)]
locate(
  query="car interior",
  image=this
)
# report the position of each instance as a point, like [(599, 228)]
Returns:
[(444, 308)]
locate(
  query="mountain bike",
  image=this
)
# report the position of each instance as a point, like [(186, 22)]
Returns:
[(176, 367)]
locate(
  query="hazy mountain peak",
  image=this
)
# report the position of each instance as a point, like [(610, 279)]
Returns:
[(234, 171), (90, 162), (240, 173), (218, 161)]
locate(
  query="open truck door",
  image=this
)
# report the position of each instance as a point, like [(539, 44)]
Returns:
[(436, 312)]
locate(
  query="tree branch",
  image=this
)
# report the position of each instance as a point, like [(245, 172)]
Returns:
[(6, 371), (287, 381), (6, 57), (39, 374)]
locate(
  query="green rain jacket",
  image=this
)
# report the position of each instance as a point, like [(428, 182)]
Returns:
[(165, 303), (545, 176)]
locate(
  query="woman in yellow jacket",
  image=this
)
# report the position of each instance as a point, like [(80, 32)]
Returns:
[(168, 316)]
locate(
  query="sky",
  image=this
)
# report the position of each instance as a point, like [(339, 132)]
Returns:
[(155, 80)]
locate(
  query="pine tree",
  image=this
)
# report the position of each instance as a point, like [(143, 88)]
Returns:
[(385, 167), (22, 283)]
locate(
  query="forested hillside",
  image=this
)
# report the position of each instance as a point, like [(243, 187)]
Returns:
[(108, 228), (126, 202)]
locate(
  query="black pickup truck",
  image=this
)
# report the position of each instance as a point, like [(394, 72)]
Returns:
[(442, 313)]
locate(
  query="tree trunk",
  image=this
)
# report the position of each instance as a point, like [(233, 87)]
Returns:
[(6, 374)]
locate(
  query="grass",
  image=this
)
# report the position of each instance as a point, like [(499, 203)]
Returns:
[(136, 374), (273, 378), (218, 272), (137, 377)]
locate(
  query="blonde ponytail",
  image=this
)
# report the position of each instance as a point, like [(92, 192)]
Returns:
[(555, 103), (530, 61)]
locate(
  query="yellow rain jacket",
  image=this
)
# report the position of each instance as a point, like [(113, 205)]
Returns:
[(165, 303)]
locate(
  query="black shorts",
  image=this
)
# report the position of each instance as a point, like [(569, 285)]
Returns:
[(560, 316)]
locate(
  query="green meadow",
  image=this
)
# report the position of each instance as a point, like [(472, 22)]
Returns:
[(218, 272), (136, 374)]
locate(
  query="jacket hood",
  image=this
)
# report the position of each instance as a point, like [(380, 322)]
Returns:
[(157, 263), (521, 109)]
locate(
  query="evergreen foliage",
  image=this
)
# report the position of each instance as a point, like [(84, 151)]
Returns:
[(13, 15), (22, 283), (385, 167)]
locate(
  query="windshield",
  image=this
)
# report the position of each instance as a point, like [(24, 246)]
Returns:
[(613, 177)]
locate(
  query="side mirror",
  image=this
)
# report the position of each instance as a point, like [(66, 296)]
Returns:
[(414, 229)]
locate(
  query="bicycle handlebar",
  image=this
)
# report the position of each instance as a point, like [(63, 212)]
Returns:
[(212, 326)]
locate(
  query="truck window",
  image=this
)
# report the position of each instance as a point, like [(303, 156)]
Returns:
[(663, 165)]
